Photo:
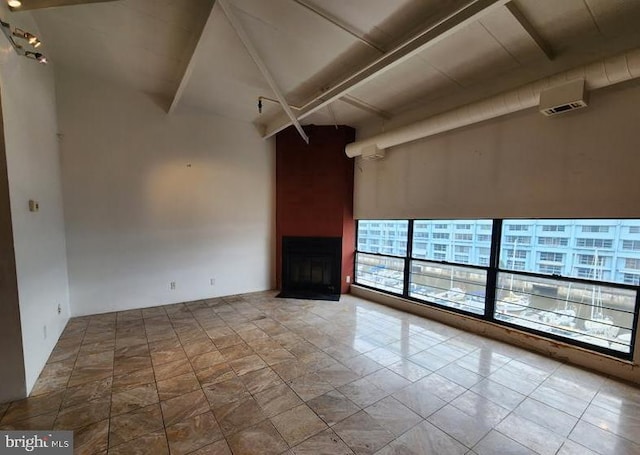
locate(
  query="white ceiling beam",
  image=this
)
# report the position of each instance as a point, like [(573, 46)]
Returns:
[(358, 103), (242, 34), (530, 30), (338, 23), (428, 37), (188, 70)]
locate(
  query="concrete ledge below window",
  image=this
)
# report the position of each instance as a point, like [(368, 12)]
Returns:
[(564, 352)]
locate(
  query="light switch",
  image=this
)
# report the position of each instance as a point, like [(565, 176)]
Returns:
[(34, 206)]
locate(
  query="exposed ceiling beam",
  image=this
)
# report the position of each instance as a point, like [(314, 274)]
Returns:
[(355, 102), (242, 34), (338, 23), (428, 37), (196, 46), (39, 4), (531, 31), (348, 99)]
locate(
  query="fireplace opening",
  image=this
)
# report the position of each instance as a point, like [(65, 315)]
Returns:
[(311, 267)]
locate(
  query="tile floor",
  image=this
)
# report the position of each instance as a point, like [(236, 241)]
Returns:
[(253, 374)]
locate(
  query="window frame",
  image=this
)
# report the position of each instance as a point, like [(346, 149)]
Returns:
[(493, 270)]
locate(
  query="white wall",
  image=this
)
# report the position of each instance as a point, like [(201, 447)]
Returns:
[(580, 164), (30, 128), (152, 198)]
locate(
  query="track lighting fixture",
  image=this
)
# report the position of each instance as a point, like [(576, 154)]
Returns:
[(36, 56), (28, 37)]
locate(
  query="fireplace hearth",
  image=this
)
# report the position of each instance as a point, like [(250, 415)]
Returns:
[(311, 267)]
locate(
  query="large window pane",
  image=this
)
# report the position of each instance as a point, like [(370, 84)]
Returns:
[(383, 236), (460, 241), (592, 314), (448, 285), (600, 250), (380, 272)]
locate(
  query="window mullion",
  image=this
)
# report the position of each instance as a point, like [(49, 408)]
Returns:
[(492, 272), (407, 260)]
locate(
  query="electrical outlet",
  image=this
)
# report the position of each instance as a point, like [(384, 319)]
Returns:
[(212, 281), (172, 285), (348, 279), (59, 309)]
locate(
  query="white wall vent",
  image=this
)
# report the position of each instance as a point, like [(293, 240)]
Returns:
[(563, 98)]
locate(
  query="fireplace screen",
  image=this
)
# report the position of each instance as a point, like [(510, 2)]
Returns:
[(311, 267)]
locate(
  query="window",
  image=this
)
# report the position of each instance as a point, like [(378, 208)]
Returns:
[(520, 240), (581, 272), (553, 241), (519, 254), (517, 227), (420, 245), (445, 243), (595, 228), (594, 243), (550, 269), (390, 238), (632, 263), (590, 259), (448, 285), (383, 273), (561, 284), (516, 265), (631, 245), (590, 314), (551, 257), (553, 228)]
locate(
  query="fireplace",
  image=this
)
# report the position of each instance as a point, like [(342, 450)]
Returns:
[(311, 267)]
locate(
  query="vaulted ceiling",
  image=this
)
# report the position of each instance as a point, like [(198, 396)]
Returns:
[(334, 61)]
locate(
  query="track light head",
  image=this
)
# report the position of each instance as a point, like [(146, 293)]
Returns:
[(36, 56), (29, 37)]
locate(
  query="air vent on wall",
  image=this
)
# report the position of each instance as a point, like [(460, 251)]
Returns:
[(563, 98)]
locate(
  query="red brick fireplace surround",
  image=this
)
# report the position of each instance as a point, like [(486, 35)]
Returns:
[(314, 190)]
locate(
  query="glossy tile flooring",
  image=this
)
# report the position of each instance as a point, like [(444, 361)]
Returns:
[(253, 374)]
